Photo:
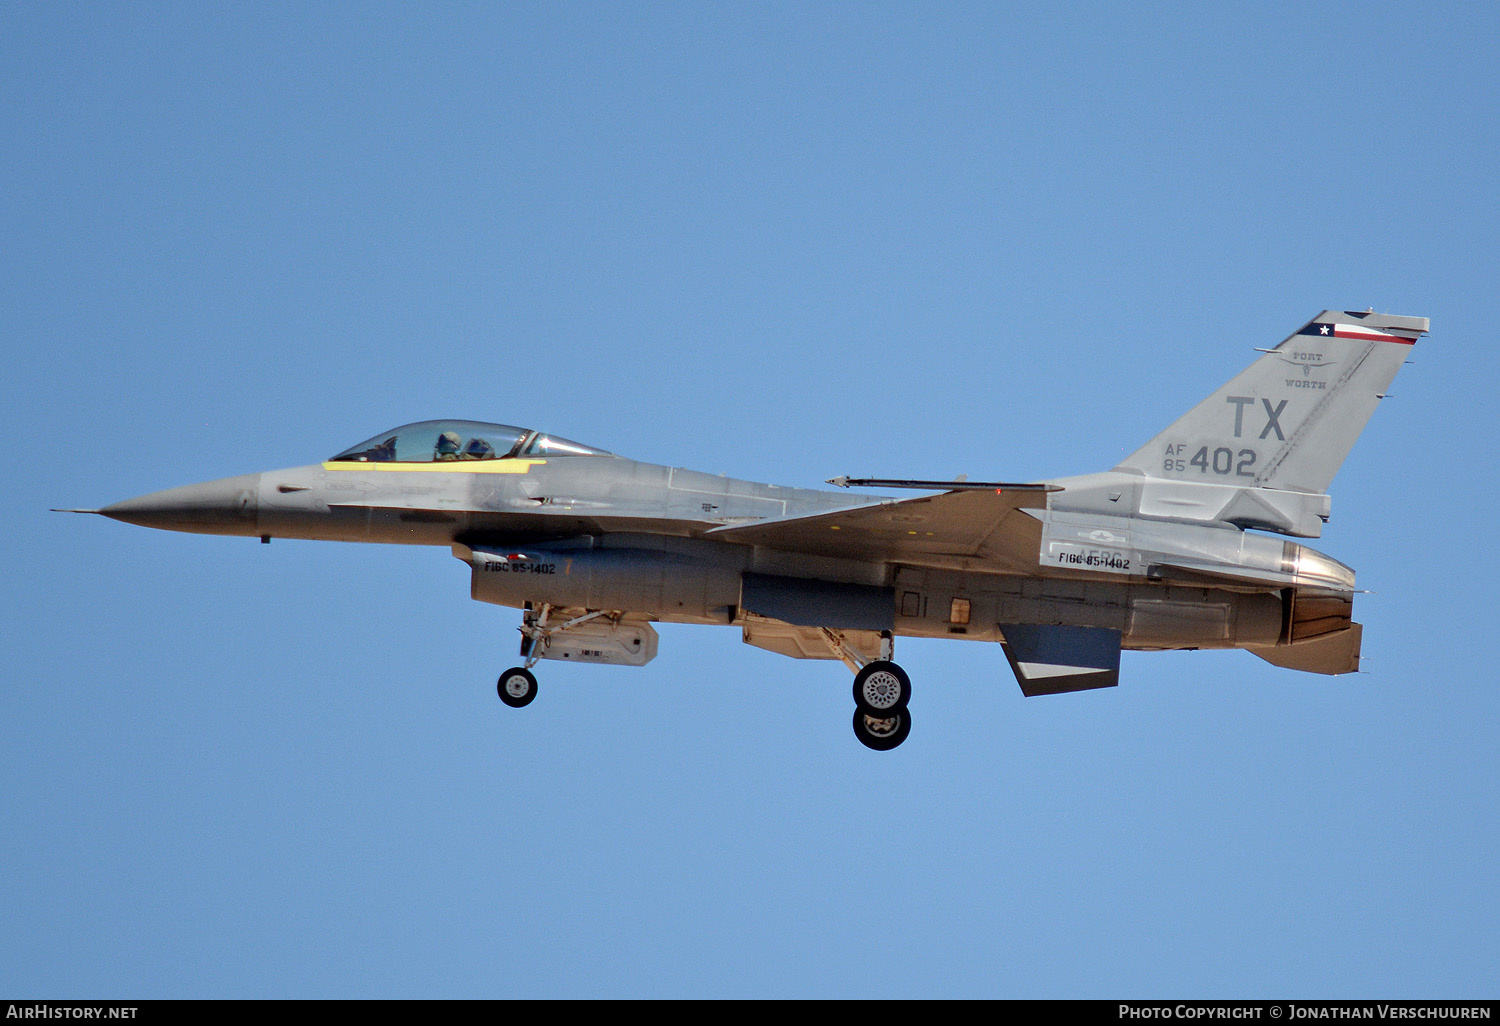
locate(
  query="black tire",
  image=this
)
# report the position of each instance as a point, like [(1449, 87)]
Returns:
[(878, 732), (516, 687), (881, 688)]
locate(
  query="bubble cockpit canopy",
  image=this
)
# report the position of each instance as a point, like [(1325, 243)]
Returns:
[(432, 441)]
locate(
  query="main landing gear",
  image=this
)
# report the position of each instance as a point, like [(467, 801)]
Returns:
[(881, 691)]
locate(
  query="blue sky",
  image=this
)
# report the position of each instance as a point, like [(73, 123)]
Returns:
[(785, 242)]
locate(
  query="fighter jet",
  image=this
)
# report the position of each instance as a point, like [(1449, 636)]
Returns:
[(1184, 545)]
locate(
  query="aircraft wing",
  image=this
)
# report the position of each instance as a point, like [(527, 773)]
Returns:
[(956, 529)]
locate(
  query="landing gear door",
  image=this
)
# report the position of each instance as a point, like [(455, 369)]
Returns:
[(628, 643)]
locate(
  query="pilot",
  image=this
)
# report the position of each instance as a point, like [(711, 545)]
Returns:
[(447, 446), (478, 449)]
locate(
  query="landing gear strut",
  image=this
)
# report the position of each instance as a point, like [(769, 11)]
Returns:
[(881, 692)]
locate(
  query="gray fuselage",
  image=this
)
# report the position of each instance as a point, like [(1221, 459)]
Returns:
[(635, 538)]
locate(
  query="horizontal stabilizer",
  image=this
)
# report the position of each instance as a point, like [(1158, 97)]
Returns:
[(1328, 653), (1053, 660)]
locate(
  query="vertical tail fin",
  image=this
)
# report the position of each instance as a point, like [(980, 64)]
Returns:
[(1288, 421)]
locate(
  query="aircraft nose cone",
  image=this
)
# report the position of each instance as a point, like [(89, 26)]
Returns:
[(225, 506)]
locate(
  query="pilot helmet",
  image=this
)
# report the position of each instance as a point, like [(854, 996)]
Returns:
[(479, 449), (447, 445)]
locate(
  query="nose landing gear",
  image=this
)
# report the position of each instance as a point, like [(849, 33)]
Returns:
[(517, 685)]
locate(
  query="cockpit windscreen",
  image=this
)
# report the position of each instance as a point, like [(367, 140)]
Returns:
[(435, 441)]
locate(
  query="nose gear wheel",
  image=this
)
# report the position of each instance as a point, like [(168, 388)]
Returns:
[(516, 687)]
